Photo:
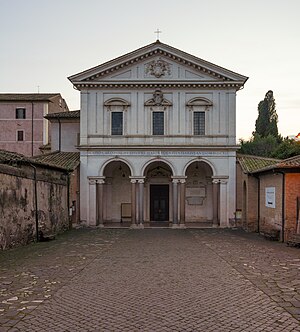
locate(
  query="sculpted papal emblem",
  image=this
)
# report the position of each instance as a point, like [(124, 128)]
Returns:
[(158, 68)]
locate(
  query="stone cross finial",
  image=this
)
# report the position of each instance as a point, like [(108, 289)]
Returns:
[(157, 32)]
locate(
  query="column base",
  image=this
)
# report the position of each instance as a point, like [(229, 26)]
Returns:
[(182, 226), (141, 226), (175, 226), (100, 226)]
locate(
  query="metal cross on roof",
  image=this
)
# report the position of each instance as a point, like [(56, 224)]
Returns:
[(157, 32)]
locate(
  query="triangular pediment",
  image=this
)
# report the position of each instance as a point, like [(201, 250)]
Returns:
[(157, 63)]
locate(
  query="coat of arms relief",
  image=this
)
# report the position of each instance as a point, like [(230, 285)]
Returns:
[(158, 68)]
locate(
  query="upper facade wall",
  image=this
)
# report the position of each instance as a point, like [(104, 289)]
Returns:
[(158, 95), (178, 120)]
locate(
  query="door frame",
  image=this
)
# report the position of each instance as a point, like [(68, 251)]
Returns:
[(167, 186)]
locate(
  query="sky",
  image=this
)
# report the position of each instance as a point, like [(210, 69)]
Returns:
[(45, 41)]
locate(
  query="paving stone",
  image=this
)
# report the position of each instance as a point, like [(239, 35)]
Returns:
[(152, 280)]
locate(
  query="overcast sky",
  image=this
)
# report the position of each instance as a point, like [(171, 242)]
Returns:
[(45, 41)]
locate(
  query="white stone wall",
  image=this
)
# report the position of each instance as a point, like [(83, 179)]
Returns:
[(96, 126), (221, 163), (69, 133)]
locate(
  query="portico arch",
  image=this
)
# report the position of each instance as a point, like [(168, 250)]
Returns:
[(203, 160), (199, 207), (116, 198), (127, 163), (158, 160)]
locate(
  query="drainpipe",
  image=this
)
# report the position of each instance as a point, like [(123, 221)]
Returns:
[(32, 107), (68, 201), (258, 205), (35, 202), (59, 134), (258, 202), (283, 206)]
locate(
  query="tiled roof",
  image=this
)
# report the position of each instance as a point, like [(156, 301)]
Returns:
[(66, 160), (290, 162), (293, 162), (27, 96), (63, 115), (9, 156), (251, 164)]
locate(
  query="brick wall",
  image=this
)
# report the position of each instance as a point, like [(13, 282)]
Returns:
[(247, 200), (17, 204), (270, 218), (292, 191)]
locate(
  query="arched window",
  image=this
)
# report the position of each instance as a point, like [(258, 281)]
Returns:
[(117, 108), (199, 107)]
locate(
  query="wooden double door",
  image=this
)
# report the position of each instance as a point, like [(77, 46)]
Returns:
[(159, 202)]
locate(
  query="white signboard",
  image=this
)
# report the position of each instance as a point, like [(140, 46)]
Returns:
[(270, 197)]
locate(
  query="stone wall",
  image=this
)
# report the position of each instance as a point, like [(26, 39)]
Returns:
[(17, 204), (246, 200), (292, 191), (270, 217)]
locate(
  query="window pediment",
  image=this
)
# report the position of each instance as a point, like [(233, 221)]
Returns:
[(158, 100), (116, 103), (199, 101)]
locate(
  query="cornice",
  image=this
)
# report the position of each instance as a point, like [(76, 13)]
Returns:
[(152, 85), (158, 148)]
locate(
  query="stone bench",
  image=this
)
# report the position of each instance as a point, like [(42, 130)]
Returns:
[(272, 235), (294, 241)]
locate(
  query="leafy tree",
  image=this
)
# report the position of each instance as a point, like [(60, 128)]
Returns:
[(266, 123), (259, 146), (286, 149)]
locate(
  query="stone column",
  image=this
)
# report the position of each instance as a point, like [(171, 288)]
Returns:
[(175, 202), (141, 202), (133, 203), (215, 190), (92, 212), (223, 204), (100, 198), (182, 203)]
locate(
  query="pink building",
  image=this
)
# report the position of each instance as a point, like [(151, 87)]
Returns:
[(23, 128)]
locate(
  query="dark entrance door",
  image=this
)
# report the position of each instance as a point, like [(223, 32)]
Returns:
[(159, 202)]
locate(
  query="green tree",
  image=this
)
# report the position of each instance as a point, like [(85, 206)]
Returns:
[(266, 123), (259, 146), (286, 149)]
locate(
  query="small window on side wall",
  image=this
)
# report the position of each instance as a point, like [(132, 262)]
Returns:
[(199, 123), (20, 135), (117, 123), (20, 113)]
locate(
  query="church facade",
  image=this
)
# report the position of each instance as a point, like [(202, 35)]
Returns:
[(157, 140)]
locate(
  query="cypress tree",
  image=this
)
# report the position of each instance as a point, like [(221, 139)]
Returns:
[(266, 123)]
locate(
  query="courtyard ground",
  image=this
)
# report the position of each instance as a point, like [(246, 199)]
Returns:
[(151, 280)]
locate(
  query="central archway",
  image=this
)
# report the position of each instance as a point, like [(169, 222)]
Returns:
[(158, 193)]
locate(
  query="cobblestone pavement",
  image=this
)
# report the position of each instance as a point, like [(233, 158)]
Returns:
[(151, 280)]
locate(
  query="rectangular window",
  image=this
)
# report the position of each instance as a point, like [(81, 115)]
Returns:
[(158, 123), (20, 113), (117, 123), (199, 123), (20, 135)]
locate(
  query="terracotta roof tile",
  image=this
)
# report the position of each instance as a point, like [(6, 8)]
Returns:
[(63, 115), (9, 156), (27, 96), (251, 163), (66, 160), (290, 162)]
